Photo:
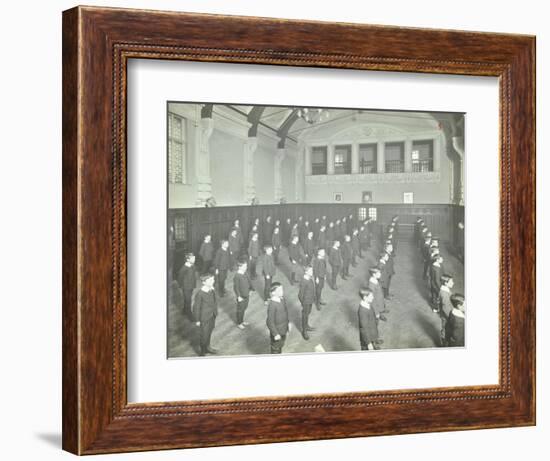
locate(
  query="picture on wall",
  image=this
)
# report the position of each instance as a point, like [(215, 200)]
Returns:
[(265, 257), (367, 196)]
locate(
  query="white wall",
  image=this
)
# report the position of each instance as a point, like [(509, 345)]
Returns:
[(226, 147), (30, 185)]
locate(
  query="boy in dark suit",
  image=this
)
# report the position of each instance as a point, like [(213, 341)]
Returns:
[(347, 253), (374, 285), (268, 269), (234, 247), (205, 310), (435, 281), (355, 247), (222, 263), (389, 264), (253, 254), (306, 295), (363, 240), (242, 286), (368, 321), (276, 243), (277, 318), (295, 255), (319, 275), (309, 247), (206, 254), (455, 324), (445, 306), (384, 275), (187, 280), (335, 260)]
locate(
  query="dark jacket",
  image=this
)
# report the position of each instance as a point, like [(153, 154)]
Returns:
[(268, 266), (319, 268), (309, 247), (346, 251), (455, 329), (276, 240), (384, 277), (222, 261), (207, 251), (355, 243), (335, 258), (234, 244), (378, 302), (242, 285), (368, 325), (254, 249), (295, 252), (322, 239), (277, 317), (306, 295), (445, 306), (435, 277), (267, 232), (205, 306), (187, 278), (390, 266)]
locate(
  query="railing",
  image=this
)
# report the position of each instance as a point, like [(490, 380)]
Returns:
[(318, 168), (395, 166), (421, 166), (367, 167)]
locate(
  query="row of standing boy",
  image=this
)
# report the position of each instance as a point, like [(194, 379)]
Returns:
[(339, 238), (449, 306)]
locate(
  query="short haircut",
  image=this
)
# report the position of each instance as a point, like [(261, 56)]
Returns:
[(374, 270), (188, 256), (223, 241), (274, 287), (207, 235), (268, 246), (457, 299), (364, 292), (319, 250), (445, 278), (205, 277), (309, 266)]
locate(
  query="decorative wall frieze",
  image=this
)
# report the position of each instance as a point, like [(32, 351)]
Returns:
[(375, 178)]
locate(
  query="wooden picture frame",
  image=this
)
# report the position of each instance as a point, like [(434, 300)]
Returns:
[(97, 43)]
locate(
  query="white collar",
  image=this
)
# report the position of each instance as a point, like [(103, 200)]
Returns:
[(373, 280), (445, 288), (364, 304), (458, 313)]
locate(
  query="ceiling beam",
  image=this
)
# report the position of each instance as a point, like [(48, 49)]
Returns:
[(206, 111), (254, 118), (283, 130)]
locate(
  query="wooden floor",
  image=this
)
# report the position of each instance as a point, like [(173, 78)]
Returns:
[(410, 324)]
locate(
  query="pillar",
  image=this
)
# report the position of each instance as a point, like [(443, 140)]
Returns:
[(204, 179), (458, 146), (355, 158), (408, 155), (300, 167), (278, 177), (330, 159), (380, 157), (250, 147), (307, 153)]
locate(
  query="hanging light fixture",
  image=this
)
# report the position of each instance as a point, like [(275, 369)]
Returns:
[(313, 115)]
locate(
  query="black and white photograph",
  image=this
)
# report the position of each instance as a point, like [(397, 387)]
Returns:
[(275, 244)]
